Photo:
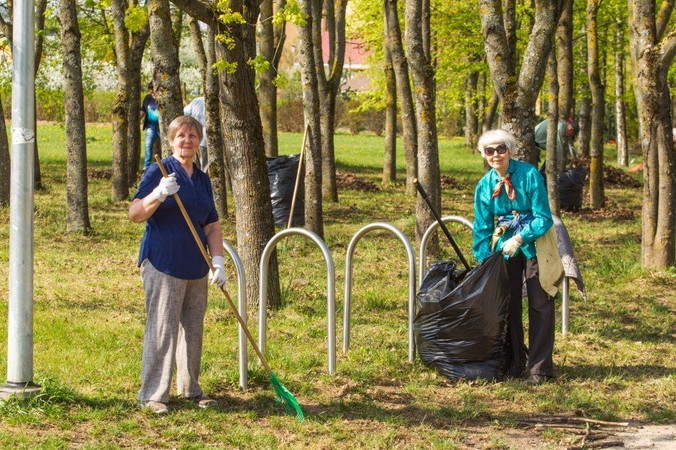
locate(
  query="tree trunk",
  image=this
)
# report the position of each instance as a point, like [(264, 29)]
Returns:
[(471, 114), (166, 81), (328, 85), (77, 211), (313, 152), (620, 103), (121, 107), (552, 162), (218, 171), (206, 58), (596, 191), (401, 72), (585, 114), (40, 9), (390, 160), (491, 111), (139, 38), (417, 46), (518, 91), (564, 53), (651, 56), (243, 143), (271, 43)]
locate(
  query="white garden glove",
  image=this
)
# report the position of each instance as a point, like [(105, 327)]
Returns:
[(510, 247), (168, 186), (217, 276)]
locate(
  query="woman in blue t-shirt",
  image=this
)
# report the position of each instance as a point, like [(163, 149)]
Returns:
[(173, 270), (514, 193)]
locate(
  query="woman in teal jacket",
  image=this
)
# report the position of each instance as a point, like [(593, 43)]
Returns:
[(511, 210)]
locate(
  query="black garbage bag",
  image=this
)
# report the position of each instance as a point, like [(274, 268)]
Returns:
[(571, 185), (461, 324), (282, 175)]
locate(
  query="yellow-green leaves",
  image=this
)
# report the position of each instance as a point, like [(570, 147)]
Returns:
[(290, 13)]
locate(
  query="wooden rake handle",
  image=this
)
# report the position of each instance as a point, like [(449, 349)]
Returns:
[(188, 221)]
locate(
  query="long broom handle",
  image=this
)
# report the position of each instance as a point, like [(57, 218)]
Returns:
[(211, 267), (295, 187), (441, 223)]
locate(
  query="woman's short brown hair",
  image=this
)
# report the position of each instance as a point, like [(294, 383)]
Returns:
[(181, 121)]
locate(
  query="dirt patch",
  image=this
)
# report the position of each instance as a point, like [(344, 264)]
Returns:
[(610, 211), (451, 183), (349, 181), (103, 174), (611, 175)]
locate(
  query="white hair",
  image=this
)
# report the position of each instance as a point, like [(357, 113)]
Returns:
[(496, 137)]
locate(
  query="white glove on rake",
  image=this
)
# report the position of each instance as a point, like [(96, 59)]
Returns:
[(168, 186), (217, 276)]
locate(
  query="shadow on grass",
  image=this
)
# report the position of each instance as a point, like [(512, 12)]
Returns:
[(629, 373)]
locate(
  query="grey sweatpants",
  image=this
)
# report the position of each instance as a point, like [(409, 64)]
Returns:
[(175, 311)]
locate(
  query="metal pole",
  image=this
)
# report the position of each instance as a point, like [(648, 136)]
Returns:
[(20, 320)]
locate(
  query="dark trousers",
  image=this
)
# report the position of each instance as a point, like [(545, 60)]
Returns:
[(541, 318)]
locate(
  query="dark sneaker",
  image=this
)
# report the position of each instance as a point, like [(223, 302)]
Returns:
[(203, 401), (155, 407), (534, 380)]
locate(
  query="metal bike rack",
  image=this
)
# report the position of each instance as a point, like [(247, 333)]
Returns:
[(330, 282), (241, 298), (411, 284), (428, 234), (565, 288)]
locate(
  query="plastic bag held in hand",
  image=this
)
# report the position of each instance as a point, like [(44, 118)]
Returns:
[(168, 186), (217, 276), (511, 247)]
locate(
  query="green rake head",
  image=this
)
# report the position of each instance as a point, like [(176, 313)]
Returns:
[(287, 399)]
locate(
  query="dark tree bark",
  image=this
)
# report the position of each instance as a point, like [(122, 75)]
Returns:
[(518, 90), (471, 109), (584, 99), (404, 93), (166, 80), (138, 40), (422, 70), (390, 159), (313, 153), (333, 14), (620, 102), (121, 107), (564, 54), (552, 162), (491, 111), (243, 143), (77, 210), (596, 191), (272, 39), (652, 51), (206, 57)]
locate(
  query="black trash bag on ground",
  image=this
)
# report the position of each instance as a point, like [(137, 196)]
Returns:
[(282, 173), (571, 185), (461, 324)]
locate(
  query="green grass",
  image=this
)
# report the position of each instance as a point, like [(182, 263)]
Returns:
[(618, 361)]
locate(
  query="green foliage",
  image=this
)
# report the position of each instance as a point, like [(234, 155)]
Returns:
[(291, 13), (222, 66), (136, 18), (259, 63)]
